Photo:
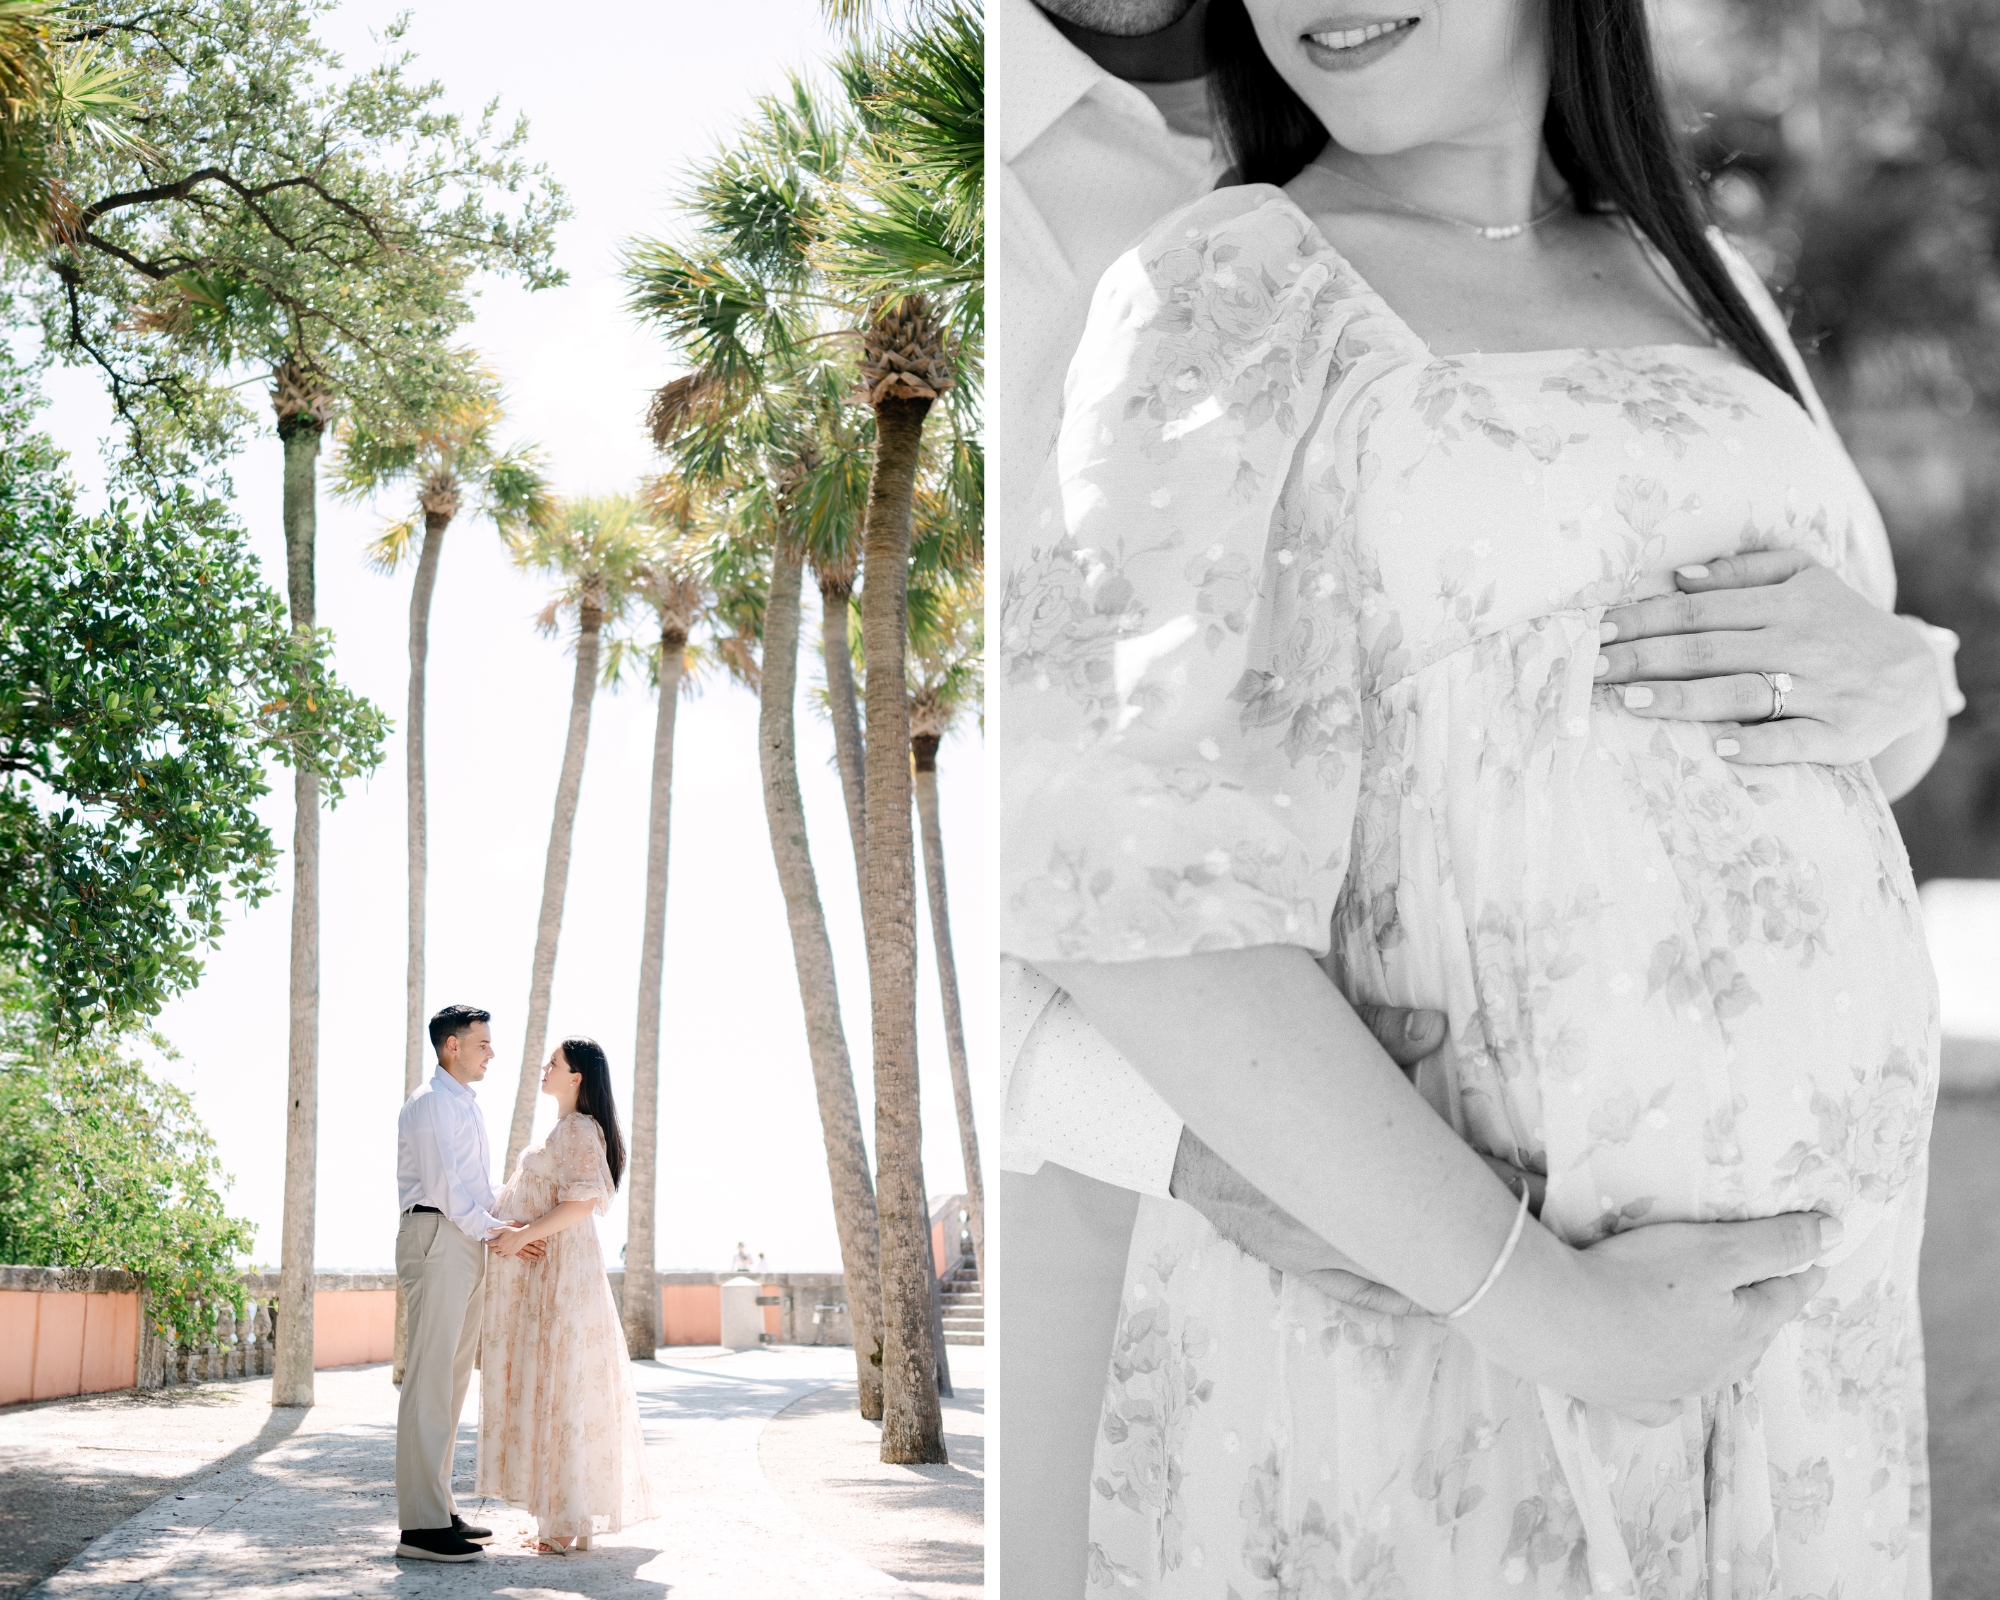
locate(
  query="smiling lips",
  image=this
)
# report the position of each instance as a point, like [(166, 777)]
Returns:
[(1354, 38)]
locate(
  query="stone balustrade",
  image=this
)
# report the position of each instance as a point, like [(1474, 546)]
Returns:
[(69, 1331)]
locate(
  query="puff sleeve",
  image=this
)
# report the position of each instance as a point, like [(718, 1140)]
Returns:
[(1180, 711), (581, 1171)]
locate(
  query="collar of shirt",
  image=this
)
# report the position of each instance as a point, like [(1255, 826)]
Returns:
[(1045, 75), (445, 1081)]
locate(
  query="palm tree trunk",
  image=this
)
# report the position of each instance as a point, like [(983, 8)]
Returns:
[(555, 880), (641, 1309), (292, 1370), (414, 1038), (924, 747), (834, 600), (812, 955), (912, 1425)]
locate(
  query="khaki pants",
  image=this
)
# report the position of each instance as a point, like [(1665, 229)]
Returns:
[(1063, 1243), (443, 1274)]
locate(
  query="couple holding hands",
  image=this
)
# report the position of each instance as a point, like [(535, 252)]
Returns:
[(558, 1419)]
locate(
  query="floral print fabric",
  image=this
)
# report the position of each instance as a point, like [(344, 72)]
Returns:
[(558, 1419), (1298, 648)]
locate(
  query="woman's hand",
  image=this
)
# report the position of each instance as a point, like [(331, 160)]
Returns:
[(1861, 677), (512, 1241), (1660, 1313)]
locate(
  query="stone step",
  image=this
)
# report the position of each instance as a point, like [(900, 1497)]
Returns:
[(964, 1338)]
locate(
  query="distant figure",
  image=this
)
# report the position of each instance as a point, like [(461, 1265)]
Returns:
[(761, 1268), (559, 1422), (740, 1262)]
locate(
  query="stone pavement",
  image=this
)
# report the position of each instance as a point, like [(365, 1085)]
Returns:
[(306, 1506)]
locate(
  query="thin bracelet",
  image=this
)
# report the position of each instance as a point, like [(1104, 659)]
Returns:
[(1500, 1262)]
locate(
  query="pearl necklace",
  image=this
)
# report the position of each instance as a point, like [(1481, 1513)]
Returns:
[(1511, 230)]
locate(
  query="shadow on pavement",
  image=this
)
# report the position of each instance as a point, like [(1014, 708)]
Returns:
[(922, 1525), (54, 1501)]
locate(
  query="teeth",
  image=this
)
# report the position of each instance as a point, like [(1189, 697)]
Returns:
[(1349, 38)]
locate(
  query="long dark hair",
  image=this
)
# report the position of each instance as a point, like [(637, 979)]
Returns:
[(1606, 130), (593, 1097)]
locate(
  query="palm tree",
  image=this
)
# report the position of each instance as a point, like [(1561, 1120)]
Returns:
[(945, 681), (758, 417), (445, 454), (670, 589), (592, 544), (835, 573), (51, 95), (905, 249)]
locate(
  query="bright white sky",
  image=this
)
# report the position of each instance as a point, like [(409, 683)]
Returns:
[(620, 97)]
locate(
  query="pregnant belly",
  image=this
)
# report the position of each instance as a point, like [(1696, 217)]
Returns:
[(1685, 991)]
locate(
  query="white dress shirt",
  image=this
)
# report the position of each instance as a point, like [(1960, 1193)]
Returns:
[(442, 1158), (1088, 163)]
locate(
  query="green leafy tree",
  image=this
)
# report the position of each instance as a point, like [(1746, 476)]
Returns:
[(146, 673), (102, 1166), (285, 220)]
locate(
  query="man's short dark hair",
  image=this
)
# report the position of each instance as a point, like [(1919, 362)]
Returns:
[(454, 1020)]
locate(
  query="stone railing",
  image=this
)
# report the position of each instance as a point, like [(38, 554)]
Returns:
[(353, 1320), (798, 1307), (228, 1346), (67, 1331)]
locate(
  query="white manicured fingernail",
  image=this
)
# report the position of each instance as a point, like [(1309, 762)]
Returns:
[(1606, 632), (1727, 747), (1696, 570), (1637, 696), (1603, 666)]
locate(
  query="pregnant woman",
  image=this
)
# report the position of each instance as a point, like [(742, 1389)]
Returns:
[(1365, 465), (558, 1421)]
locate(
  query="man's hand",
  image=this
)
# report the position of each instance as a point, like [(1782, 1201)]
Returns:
[(508, 1242), (1251, 1222), (1861, 678)]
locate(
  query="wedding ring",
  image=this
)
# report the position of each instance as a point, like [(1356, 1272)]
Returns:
[(1781, 685)]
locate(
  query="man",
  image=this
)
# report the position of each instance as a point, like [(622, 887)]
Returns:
[(445, 1188)]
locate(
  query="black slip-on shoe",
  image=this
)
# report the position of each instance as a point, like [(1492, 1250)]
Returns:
[(466, 1530), (437, 1544)]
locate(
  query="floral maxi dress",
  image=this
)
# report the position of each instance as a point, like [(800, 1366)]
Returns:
[(558, 1420), (1299, 649)]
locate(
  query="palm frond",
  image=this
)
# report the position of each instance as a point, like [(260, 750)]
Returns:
[(389, 549)]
